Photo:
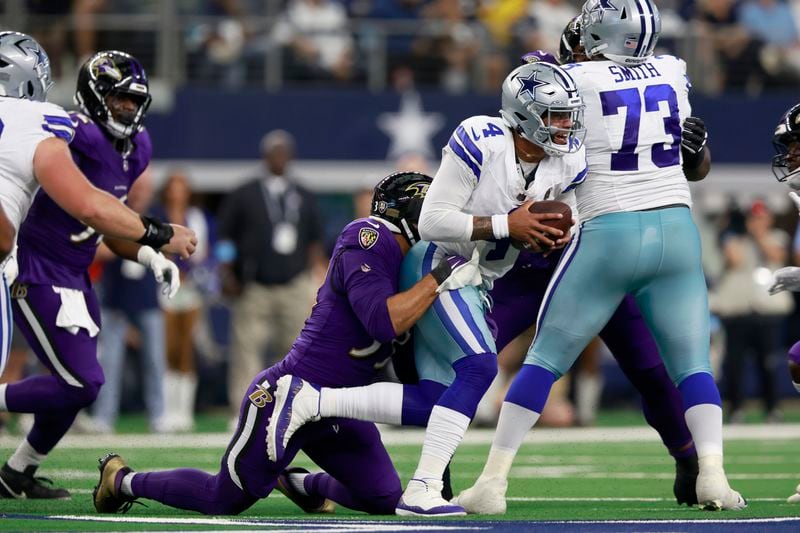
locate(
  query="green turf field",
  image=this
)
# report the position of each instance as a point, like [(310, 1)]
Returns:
[(559, 475)]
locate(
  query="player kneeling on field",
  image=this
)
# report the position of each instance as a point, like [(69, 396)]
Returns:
[(347, 338)]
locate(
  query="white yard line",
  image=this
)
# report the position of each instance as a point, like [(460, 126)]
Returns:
[(409, 436)]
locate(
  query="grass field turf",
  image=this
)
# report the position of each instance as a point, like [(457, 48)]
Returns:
[(601, 474)]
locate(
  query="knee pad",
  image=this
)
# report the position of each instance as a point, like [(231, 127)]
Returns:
[(474, 374), (477, 370)]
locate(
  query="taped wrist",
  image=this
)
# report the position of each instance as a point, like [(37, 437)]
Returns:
[(691, 160), (156, 233), (442, 271)]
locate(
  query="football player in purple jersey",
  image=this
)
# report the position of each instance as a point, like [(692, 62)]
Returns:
[(786, 168), (347, 338), (54, 304)]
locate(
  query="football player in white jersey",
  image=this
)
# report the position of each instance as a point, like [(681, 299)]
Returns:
[(492, 169), (34, 151), (635, 201)]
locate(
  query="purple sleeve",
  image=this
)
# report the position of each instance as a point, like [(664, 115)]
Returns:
[(368, 282)]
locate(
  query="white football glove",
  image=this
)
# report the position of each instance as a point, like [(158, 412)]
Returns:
[(10, 267), (785, 279), (463, 275), (165, 271), (795, 199)]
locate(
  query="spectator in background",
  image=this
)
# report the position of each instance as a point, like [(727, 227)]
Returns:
[(181, 313), (750, 316), (317, 36), (735, 50), (270, 241), (51, 29), (218, 44), (130, 316), (772, 22), (447, 46), (542, 28)]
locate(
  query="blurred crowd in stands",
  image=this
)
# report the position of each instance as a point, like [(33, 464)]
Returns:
[(456, 45)]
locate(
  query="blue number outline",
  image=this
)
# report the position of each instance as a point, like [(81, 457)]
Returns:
[(626, 158)]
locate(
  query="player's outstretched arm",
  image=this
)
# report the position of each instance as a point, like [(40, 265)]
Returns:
[(452, 273), (165, 271), (58, 175)]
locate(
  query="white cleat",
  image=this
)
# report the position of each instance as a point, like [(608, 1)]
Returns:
[(794, 498), (486, 496), (713, 491), (423, 497), (296, 404)]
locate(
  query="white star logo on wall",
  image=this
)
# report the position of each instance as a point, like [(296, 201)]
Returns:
[(410, 130)]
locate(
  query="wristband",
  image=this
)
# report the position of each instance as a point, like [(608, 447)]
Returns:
[(156, 233), (692, 161), (500, 226), (442, 271)]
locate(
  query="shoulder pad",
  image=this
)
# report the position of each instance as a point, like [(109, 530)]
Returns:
[(476, 140), (364, 234)]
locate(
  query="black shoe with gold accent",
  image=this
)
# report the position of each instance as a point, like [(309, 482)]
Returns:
[(15, 484), (309, 504), (108, 498)]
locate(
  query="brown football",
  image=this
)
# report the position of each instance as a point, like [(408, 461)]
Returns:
[(554, 206)]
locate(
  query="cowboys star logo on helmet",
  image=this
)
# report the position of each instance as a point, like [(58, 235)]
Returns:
[(529, 84)]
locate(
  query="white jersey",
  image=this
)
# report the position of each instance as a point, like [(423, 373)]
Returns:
[(480, 175), (23, 125), (633, 134)]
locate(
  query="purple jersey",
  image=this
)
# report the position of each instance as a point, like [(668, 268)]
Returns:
[(349, 331), (57, 249)]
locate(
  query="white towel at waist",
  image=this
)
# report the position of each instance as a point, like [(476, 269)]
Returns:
[(73, 313)]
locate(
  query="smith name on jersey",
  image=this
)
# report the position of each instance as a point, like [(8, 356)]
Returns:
[(633, 134), (493, 181)]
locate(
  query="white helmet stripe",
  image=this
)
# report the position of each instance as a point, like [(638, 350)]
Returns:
[(647, 19)]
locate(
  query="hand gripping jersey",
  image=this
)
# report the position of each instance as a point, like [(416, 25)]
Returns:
[(633, 121), (489, 180), (57, 249), (23, 125), (348, 335)]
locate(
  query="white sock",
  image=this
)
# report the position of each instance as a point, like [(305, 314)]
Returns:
[(589, 389), (705, 424), (125, 485), (3, 406), (297, 483), (514, 423), (446, 428), (25, 456), (379, 402)]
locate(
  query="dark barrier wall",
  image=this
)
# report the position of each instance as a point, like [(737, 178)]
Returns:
[(343, 124)]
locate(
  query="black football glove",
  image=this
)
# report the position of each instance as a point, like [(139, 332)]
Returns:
[(694, 135)]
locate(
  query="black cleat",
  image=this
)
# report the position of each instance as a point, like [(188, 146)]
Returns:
[(685, 487), (14, 484), (107, 496), (447, 489), (309, 504)]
